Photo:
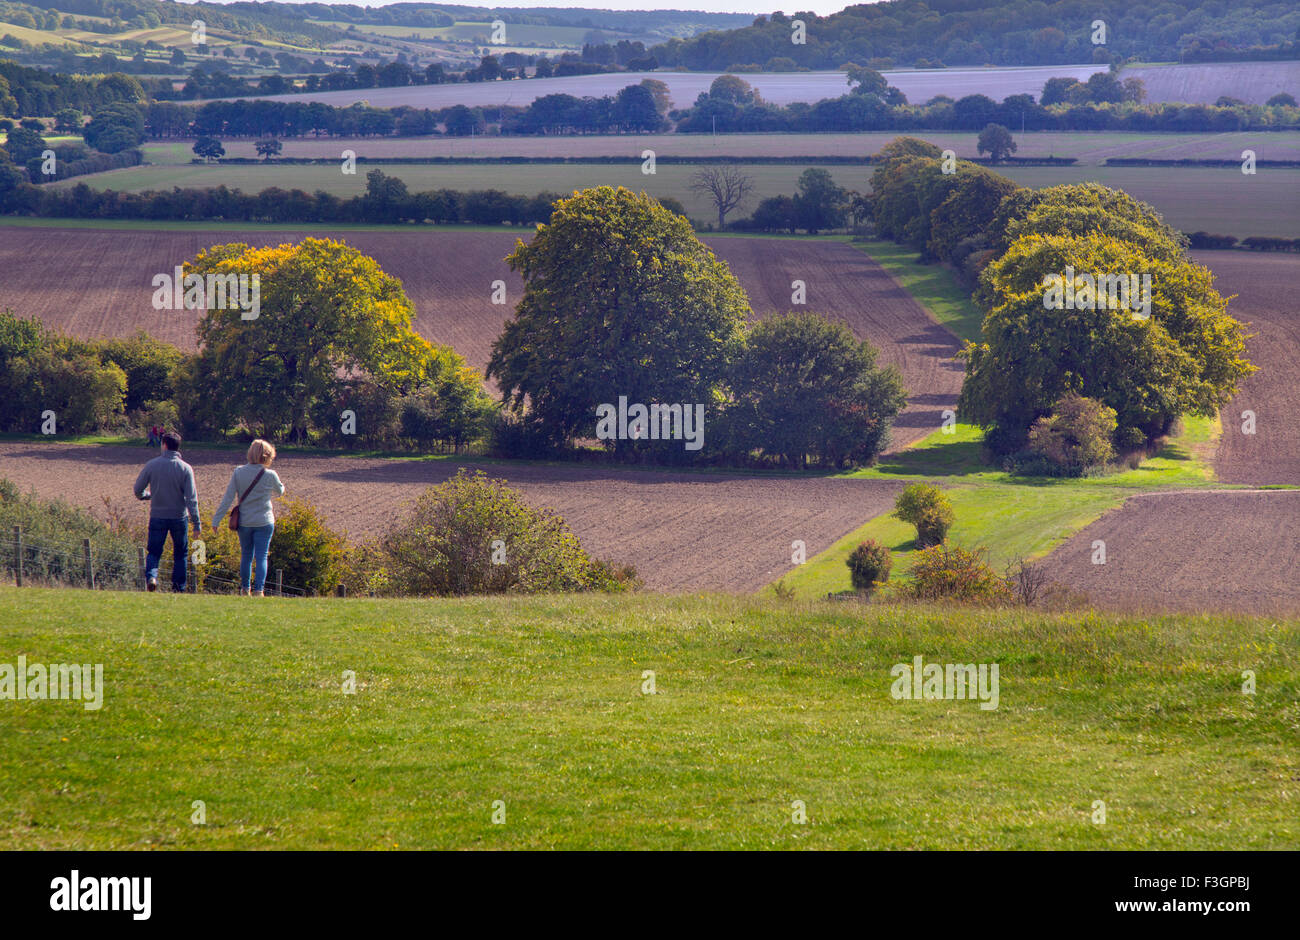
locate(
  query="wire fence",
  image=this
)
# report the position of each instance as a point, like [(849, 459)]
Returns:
[(53, 564)]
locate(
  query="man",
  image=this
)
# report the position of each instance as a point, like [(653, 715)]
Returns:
[(172, 498)]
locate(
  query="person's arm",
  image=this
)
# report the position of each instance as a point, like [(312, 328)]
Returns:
[(226, 502), (141, 482), (191, 495), (277, 483)]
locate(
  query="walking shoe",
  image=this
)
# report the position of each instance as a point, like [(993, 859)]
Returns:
[(153, 584)]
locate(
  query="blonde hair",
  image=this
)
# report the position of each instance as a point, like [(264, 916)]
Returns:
[(261, 451)]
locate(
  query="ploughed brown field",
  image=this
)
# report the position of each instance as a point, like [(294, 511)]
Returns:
[(682, 531), (92, 283), (1265, 285), (1190, 551)]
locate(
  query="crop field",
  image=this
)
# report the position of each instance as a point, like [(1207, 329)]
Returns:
[(1250, 81), (1211, 199), (1208, 551), (1088, 147), (36, 36), (1265, 285), (558, 37)]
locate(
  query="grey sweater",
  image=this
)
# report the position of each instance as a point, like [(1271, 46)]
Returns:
[(171, 488), (256, 510)]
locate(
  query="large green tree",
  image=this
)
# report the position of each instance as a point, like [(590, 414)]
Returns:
[(1186, 356), (806, 387), (620, 298), (328, 314)]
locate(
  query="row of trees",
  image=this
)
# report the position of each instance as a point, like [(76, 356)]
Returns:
[(28, 91), (1104, 102), (621, 300), (1183, 355), (639, 107), (386, 201)]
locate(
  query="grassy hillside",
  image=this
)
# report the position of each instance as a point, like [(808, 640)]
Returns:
[(537, 702)]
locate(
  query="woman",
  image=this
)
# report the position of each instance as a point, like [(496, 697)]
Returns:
[(256, 484)]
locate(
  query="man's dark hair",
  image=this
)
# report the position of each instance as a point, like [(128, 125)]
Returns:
[(172, 440)]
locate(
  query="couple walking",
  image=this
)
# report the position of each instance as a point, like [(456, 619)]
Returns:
[(173, 500)]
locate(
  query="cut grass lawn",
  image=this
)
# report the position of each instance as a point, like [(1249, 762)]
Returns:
[(537, 702)]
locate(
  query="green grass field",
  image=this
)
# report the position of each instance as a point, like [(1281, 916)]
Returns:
[(537, 702), (1190, 198), (1012, 517)]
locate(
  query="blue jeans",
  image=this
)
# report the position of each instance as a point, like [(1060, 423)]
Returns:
[(254, 543), (159, 529)]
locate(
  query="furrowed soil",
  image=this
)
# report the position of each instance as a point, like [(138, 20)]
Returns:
[(1197, 552), (1265, 285), (91, 283), (682, 531)]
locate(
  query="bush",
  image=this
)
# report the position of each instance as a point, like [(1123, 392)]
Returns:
[(927, 508), (150, 366), (947, 572), (475, 535), (1076, 436), (52, 535), (310, 554), (932, 525), (869, 566), (83, 393), (307, 550)]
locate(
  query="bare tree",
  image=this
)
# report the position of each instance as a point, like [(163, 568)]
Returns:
[(1027, 582), (725, 185)]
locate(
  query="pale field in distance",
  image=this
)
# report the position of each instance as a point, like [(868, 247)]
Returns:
[(1253, 82)]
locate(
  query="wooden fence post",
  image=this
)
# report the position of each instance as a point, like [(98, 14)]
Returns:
[(140, 558), (18, 556), (90, 570), (341, 590), (279, 582)]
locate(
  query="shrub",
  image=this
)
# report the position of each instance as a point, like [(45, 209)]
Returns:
[(869, 566), (933, 524), (448, 543), (309, 553), (83, 393), (927, 508), (1076, 436), (52, 535), (307, 550), (149, 364), (947, 572)]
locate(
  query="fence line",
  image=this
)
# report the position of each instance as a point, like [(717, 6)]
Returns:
[(109, 568)]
